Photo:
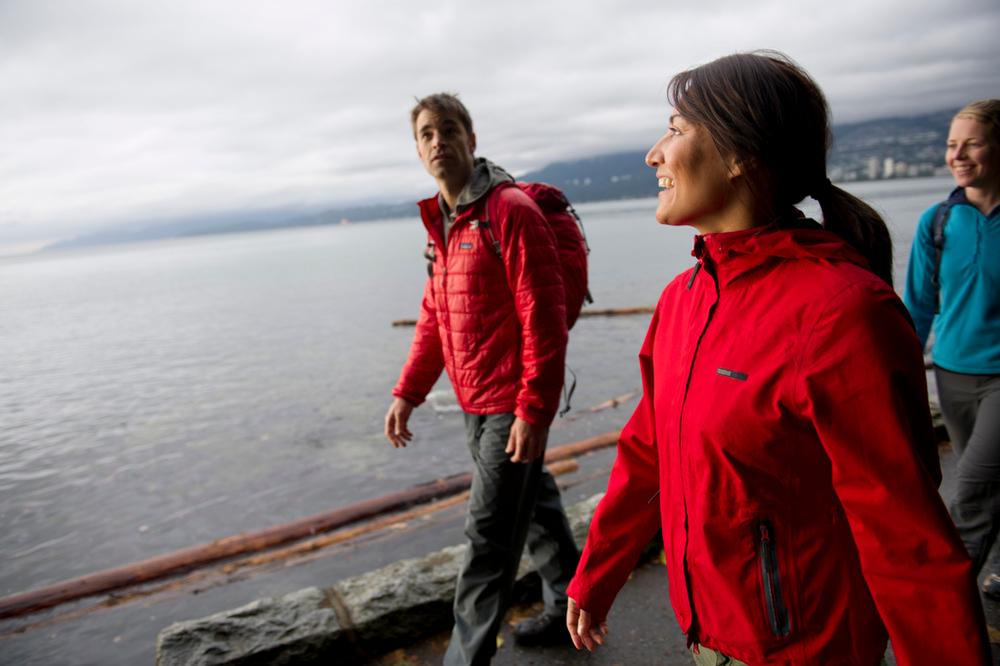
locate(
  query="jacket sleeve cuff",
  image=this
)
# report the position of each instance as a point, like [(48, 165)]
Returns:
[(412, 398), (535, 416), (588, 598)]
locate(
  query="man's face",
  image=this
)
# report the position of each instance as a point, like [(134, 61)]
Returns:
[(445, 148)]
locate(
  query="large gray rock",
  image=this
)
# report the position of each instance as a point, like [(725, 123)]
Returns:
[(402, 600), (364, 615), (299, 628)]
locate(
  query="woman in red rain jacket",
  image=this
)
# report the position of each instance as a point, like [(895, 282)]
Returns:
[(783, 443)]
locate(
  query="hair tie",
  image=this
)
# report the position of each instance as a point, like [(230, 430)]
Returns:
[(823, 190)]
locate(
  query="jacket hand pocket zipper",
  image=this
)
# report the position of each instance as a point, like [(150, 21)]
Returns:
[(777, 614)]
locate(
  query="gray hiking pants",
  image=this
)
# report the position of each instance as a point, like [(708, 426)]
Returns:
[(970, 405), (509, 503)]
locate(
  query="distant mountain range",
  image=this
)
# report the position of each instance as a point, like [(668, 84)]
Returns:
[(884, 147), (861, 151)]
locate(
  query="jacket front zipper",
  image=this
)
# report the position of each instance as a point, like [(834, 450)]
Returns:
[(777, 614), (680, 435)]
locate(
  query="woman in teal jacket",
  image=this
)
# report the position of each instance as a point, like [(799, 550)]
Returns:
[(955, 284)]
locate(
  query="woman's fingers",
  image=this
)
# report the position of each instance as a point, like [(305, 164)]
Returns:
[(582, 630), (572, 619)]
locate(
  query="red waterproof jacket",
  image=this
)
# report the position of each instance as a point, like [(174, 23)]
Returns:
[(497, 327), (784, 446)]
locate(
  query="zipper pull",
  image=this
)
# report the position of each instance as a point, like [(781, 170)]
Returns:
[(694, 273)]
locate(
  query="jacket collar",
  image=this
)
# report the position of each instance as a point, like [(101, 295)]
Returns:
[(484, 178), (957, 196), (731, 255)]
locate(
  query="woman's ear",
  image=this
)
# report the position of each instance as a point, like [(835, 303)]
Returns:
[(737, 167)]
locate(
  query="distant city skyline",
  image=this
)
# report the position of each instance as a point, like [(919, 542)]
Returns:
[(121, 113)]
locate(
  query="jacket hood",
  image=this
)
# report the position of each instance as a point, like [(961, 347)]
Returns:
[(485, 176), (736, 252)]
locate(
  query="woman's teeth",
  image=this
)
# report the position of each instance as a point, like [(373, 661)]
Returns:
[(666, 183)]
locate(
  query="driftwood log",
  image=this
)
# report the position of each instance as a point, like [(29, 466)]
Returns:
[(187, 559), (586, 312)]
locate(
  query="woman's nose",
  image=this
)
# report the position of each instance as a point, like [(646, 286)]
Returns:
[(653, 156)]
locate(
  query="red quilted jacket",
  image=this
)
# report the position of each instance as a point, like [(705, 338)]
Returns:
[(498, 328), (784, 446)]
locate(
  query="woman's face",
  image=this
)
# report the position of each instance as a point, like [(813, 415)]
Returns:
[(696, 184), (973, 155)]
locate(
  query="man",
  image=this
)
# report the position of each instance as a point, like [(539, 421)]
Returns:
[(497, 324)]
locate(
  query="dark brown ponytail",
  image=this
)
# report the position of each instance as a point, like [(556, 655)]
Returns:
[(768, 113), (860, 225)]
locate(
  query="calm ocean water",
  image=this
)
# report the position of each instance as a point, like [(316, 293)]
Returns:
[(162, 395)]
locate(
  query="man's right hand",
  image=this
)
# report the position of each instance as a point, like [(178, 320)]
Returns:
[(396, 419)]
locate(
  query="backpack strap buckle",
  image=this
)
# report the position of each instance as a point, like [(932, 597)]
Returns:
[(430, 255)]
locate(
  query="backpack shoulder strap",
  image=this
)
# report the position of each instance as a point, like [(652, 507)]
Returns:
[(485, 223), (937, 236), (430, 255)]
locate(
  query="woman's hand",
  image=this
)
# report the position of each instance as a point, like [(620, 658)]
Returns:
[(582, 628)]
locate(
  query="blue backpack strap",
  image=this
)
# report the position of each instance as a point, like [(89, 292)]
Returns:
[(937, 236)]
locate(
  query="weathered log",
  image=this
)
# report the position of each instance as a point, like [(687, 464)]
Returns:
[(586, 312), (241, 544), (617, 312)]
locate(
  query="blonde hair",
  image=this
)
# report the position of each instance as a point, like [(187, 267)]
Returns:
[(987, 112)]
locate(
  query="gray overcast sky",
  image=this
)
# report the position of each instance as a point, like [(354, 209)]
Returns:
[(119, 112)]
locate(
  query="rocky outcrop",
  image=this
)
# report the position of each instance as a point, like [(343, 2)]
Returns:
[(299, 628), (361, 616)]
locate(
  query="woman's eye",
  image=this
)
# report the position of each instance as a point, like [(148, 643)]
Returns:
[(673, 131)]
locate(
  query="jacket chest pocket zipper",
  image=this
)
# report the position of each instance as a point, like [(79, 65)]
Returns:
[(777, 613)]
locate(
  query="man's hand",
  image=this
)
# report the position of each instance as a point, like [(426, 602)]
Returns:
[(396, 419), (526, 441), (581, 627)]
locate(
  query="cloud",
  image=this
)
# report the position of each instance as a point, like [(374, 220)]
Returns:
[(116, 113)]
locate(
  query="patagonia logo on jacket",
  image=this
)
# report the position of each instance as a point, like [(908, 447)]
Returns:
[(733, 374)]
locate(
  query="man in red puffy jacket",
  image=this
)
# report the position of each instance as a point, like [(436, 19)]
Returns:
[(497, 325)]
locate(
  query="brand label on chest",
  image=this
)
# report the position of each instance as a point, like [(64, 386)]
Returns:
[(734, 374)]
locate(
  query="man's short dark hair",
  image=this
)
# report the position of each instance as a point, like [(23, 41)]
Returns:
[(442, 104)]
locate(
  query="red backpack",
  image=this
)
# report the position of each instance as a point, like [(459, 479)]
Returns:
[(570, 241)]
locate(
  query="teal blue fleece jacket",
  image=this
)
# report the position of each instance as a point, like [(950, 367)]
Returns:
[(967, 329)]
